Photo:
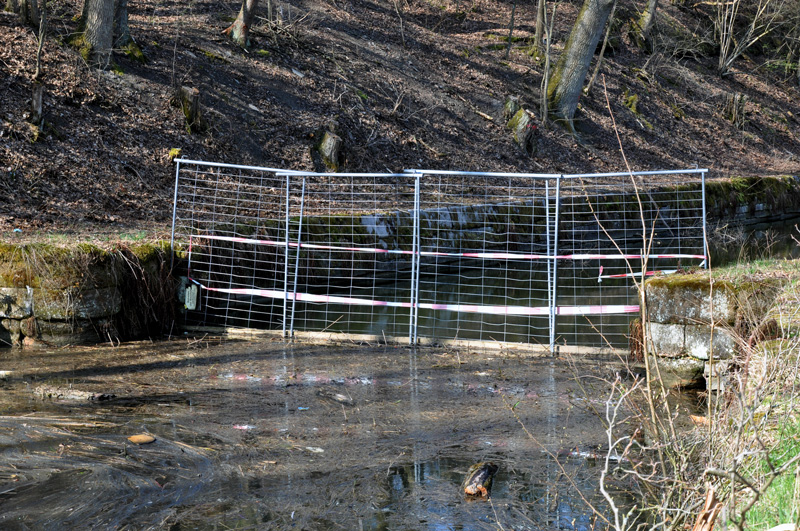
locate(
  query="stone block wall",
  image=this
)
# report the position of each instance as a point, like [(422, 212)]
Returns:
[(53, 295), (692, 321)]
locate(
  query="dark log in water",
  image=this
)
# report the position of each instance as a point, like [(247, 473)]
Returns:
[(479, 479)]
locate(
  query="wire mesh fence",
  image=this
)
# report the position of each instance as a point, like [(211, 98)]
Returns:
[(432, 255)]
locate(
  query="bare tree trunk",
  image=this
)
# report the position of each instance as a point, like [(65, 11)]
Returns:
[(543, 108), (566, 82), (37, 112), (122, 33), (240, 29), (40, 47), (28, 11), (645, 25), (511, 29), (540, 23), (599, 61), (98, 36)]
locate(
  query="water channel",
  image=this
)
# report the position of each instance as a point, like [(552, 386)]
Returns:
[(273, 435)]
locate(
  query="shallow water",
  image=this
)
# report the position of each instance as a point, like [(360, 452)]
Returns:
[(271, 435)]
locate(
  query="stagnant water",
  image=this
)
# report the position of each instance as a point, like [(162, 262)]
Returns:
[(270, 435), (519, 284)]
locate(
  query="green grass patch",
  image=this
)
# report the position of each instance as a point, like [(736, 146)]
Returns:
[(780, 504)]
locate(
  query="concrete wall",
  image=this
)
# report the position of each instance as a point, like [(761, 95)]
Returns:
[(59, 295)]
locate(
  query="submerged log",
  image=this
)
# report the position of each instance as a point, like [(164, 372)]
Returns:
[(479, 479)]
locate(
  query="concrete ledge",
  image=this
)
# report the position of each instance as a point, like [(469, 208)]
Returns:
[(678, 372), (690, 299)]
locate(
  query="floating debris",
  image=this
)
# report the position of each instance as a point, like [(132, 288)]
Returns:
[(142, 438), (336, 397), (240, 376), (68, 393), (590, 455)]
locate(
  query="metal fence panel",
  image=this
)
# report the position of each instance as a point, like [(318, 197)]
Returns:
[(529, 258)]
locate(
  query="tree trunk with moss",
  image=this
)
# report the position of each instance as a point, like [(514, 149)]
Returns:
[(97, 40), (240, 29), (566, 81), (644, 26), (103, 27), (123, 41)]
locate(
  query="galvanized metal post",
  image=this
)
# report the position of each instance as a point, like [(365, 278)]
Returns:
[(705, 222), (554, 299), (550, 323), (419, 260), (286, 259), (174, 214), (412, 331), (297, 259)]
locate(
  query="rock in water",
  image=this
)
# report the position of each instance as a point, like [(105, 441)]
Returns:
[(479, 479)]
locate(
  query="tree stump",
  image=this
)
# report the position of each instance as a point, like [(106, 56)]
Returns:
[(327, 153), (524, 129), (733, 109), (189, 100), (511, 107), (36, 104)]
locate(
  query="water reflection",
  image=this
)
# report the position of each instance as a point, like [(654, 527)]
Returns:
[(731, 244), (521, 498), (252, 435)]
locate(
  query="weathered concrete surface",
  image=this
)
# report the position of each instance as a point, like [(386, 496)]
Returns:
[(702, 341), (90, 303), (697, 341), (77, 332), (57, 295), (667, 340), (16, 303), (690, 299), (678, 372), (692, 317)]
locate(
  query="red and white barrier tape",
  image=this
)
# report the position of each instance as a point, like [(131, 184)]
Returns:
[(601, 276), (496, 256), (466, 308)]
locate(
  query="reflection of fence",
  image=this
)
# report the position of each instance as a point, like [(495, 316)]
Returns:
[(534, 258)]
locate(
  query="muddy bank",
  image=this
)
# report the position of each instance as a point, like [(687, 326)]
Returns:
[(296, 436)]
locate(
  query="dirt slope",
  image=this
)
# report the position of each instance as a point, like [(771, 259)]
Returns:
[(416, 84)]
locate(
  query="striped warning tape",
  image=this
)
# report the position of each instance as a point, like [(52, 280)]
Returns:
[(496, 256), (465, 308), (639, 273)]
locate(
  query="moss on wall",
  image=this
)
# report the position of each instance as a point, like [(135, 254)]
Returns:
[(122, 290)]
